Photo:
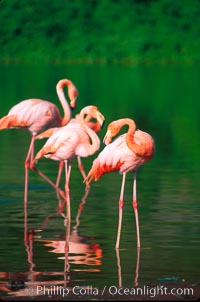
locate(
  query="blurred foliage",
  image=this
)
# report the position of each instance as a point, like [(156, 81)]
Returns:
[(100, 31)]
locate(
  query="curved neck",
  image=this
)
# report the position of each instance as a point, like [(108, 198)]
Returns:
[(63, 100), (144, 150), (92, 125), (141, 150), (95, 141)]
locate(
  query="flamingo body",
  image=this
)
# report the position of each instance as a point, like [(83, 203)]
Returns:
[(117, 156), (66, 143), (34, 115), (89, 114)]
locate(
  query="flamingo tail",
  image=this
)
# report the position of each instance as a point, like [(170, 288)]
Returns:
[(7, 121), (98, 169), (95, 172)]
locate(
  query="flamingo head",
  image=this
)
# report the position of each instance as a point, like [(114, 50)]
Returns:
[(112, 129), (72, 91), (107, 138), (73, 94), (90, 113)]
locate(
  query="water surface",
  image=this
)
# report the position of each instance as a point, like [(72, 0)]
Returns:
[(164, 101)]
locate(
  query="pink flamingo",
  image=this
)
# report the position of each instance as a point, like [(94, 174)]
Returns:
[(36, 115), (89, 114), (126, 153), (73, 140)]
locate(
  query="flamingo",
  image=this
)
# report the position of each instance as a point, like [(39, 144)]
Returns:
[(66, 143), (36, 115), (126, 153), (88, 113)]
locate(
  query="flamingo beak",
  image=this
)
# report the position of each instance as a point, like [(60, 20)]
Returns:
[(107, 138), (100, 119), (73, 95), (73, 104)]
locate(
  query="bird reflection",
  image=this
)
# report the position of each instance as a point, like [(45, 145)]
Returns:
[(29, 236), (59, 210), (135, 283), (81, 207), (80, 255), (79, 250), (73, 246)]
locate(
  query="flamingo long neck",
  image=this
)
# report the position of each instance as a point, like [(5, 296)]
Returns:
[(63, 100), (95, 141), (92, 125), (140, 150), (144, 150)]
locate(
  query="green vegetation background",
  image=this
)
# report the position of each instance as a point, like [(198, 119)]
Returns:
[(99, 31)]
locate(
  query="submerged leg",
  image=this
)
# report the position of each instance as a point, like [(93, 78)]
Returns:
[(68, 167), (135, 207), (137, 267), (68, 213), (66, 261), (121, 205), (119, 268)]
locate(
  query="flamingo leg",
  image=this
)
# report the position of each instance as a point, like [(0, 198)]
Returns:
[(81, 168), (81, 206), (135, 207), (27, 166), (61, 166), (68, 166), (32, 166), (119, 268), (121, 205), (25, 225), (67, 236), (137, 268)]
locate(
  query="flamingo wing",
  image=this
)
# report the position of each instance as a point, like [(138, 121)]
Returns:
[(34, 115)]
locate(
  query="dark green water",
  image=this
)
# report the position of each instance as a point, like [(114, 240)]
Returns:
[(164, 101)]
